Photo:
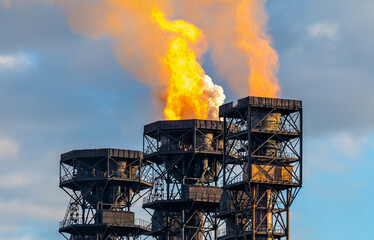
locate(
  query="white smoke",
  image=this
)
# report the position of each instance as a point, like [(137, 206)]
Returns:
[(215, 95)]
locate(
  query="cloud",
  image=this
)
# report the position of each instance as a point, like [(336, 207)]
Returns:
[(14, 62), (23, 237), (324, 30), (8, 147), (18, 180), (348, 144), (27, 209), (8, 4)]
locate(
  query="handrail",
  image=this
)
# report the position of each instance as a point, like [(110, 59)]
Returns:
[(189, 196), (263, 179), (226, 232), (142, 223), (266, 127), (103, 174), (138, 222)]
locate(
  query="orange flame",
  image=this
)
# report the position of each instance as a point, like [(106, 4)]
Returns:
[(186, 94), (160, 53), (235, 30), (262, 58)]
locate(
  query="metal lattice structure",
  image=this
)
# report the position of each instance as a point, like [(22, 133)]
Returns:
[(103, 185), (187, 159), (262, 167)]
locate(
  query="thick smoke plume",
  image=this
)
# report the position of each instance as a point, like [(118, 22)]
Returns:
[(148, 50), (233, 31), (238, 42)]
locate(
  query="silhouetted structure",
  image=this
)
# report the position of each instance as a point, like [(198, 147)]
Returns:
[(229, 179), (103, 185), (262, 167), (187, 157)]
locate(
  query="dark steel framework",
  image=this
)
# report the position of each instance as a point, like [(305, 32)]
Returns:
[(262, 167), (103, 185), (187, 159)]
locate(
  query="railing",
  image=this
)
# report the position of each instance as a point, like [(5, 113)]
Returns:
[(190, 196), (267, 127), (104, 174), (286, 155), (175, 146), (144, 224), (270, 230), (69, 222), (262, 179), (138, 222), (222, 233), (273, 204), (227, 232)]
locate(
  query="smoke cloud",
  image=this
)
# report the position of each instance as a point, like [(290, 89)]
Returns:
[(140, 45), (234, 32), (240, 47)]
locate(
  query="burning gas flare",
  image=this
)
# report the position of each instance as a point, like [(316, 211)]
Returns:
[(191, 93), (262, 58), (164, 54), (160, 53)]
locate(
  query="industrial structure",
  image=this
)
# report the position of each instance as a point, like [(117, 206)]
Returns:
[(262, 167), (103, 185), (187, 160), (200, 179)]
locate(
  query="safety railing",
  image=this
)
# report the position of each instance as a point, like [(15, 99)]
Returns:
[(266, 126), (71, 221), (144, 224), (269, 230), (201, 197), (104, 174), (262, 179), (179, 146)]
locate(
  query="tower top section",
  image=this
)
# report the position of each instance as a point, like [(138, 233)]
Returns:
[(211, 125), (262, 102), (100, 153)]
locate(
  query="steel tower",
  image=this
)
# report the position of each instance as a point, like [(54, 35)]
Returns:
[(103, 185), (262, 167), (187, 157)]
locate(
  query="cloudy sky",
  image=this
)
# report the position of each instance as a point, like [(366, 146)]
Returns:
[(61, 91)]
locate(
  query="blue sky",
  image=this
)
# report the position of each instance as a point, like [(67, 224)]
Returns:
[(61, 91)]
